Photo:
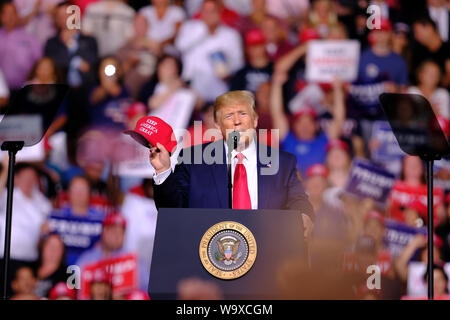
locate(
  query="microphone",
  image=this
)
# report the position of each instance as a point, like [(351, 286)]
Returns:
[(233, 139)]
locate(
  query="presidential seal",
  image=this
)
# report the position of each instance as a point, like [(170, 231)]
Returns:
[(228, 250)]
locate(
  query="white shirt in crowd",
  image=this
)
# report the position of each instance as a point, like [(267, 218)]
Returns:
[(440, 99), (251, 168), (141, 214), (177, 109), (440, 17), (28, 215), (162, 29), (287, 8), (200, 50), (110, 23)]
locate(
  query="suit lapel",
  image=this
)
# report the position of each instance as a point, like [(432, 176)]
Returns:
[(220, 177), (263, 181)]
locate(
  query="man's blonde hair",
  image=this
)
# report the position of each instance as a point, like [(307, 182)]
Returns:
[(235, 97)]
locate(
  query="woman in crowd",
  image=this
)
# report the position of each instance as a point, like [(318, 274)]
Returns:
[(51, 265)]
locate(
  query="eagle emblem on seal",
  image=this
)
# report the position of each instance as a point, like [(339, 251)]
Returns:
[(228, 250)]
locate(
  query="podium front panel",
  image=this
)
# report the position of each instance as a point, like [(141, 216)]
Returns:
[(278, 235)]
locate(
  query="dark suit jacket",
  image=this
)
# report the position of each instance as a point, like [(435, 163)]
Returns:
[(206, 185)]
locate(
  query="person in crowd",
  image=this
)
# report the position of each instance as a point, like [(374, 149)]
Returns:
[(322, 17), (100, 287), (276, 34), (256, 17), (428, 76), (78, 206), (138, 57), (171, 99), (19, 50), (30, 211), (338, 161), (75, 53), (36, 17), (429, 45), (111, 245), (110, 22), (290, 11), (382, 69), (51, 265), (139, 210), (302, 137), (258, 68), (228, 16), (62, 292), (24, 284), (164, 21), (108, 98), (416, 253), (440, 14), (211, 52), (316, 182)]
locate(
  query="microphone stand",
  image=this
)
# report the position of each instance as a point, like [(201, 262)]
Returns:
[(234, 137)]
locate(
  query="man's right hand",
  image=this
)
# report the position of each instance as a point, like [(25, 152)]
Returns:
[(159, 160)]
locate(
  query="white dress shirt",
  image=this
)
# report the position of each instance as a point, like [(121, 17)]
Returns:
[(440, 17), (251, 168)]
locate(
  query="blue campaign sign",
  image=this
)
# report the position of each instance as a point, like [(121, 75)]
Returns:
[(398, 235), (78, 234), (388, 149), (366, 180)]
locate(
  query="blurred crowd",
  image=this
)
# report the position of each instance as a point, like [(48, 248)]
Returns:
[(75, 206)]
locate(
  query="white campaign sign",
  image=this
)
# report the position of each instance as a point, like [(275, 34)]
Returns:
[(328, 59)]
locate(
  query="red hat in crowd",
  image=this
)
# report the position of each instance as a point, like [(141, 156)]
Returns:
[(255, 37), (317, 169), (61, 290), (385, 25), (152, 130), (307, 34), (306, 110), (137, 295), (135, 109), (337, 143), (416, 205), (114, 219), (374, 215)]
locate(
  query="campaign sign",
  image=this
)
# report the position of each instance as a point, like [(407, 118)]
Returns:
[(398, 235), (405, 195), (388, 148), (78, 234), (367, 180), (329, 59), (121, 272)]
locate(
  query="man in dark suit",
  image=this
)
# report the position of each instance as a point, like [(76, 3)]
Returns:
[(257, 183)]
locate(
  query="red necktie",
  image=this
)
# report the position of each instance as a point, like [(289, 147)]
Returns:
[(241, 195)]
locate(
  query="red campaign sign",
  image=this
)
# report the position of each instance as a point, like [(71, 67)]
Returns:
[(405, 195), (121, 271)]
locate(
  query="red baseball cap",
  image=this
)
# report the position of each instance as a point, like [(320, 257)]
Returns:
[(114, 219), (308, 34), (306, 110), (254, 37), (134, 109), (137, 295), (337, 143), (317, 169), (61, 290), (152, 130)]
